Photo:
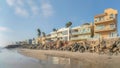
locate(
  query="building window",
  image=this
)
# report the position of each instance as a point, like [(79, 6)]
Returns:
[(80, 30), (65, 32), (65, 38), (99, 19), (96, 20), (113, 34), (112, 16), (100, 27), (97, 36), (88, 29), (112, 26), (84, 31)]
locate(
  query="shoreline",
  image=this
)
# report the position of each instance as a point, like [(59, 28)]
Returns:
[(96, 60), (74, 55)]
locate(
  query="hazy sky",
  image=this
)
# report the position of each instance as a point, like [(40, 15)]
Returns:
[(19, 19)]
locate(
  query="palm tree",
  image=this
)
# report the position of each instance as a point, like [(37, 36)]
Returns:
[(54, 29), (86, 24), (39, 32), (68, 24), (43, 33)]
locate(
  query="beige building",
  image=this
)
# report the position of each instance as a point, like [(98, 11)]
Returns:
[(82, 32), (105, 25)]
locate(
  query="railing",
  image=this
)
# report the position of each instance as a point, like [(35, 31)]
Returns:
[(105, 29), (78, 38), (76, 33), (102, 21)]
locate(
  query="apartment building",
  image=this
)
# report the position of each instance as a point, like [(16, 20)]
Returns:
[(105, 24), (62, 34), (82, 32), (72, 34), (48, 37)]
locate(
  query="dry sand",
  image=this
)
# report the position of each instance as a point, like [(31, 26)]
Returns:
[(90, 60)]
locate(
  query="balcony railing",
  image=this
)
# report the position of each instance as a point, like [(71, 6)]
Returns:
[(107, 20), (48, 37), (105, 29), (53, 36), (60, 35), (79, 38), (76, 33)]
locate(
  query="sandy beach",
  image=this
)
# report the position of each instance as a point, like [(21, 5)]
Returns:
[(90, 60)]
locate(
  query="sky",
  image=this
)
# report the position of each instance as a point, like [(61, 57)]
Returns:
[(20, 19)]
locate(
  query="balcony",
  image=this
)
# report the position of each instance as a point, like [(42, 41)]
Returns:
[(78, 33), (75, 38), (48, 37), (60, 35), (80, 38), (75, 33), (53, 36), (105, 29), (105, 21)]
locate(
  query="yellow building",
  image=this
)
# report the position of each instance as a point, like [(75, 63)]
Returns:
[(105, 25), (82, 32)]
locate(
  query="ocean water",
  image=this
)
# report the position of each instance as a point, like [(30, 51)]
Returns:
[(13, 59)]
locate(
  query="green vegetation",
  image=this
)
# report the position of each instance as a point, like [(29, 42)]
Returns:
[(43, 34), (68, 24), (39, 32)]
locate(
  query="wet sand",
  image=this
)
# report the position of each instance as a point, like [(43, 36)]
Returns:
[(90, 60), (13, 59)]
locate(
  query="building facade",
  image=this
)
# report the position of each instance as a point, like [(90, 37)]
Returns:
[(105, 25), (82, 32), (62, 34)]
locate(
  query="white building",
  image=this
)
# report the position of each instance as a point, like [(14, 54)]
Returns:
[(62, 34), (74, 34)]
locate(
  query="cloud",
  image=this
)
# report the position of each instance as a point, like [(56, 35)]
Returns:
[(18, 6), (13, 3), (35, 10), (10, 2), (21, 11), (4, 29), (33, 7), (47, 9), (26, 8), (20, 2)]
